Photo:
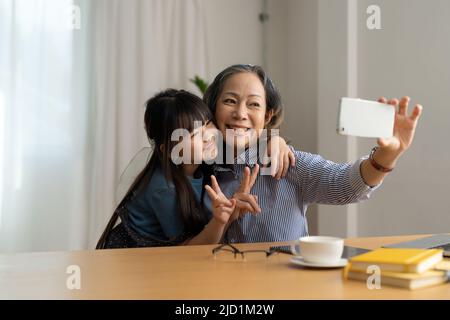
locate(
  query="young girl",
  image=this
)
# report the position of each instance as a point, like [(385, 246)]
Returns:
[(165, 205)]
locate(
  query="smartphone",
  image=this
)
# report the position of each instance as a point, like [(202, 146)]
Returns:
[(364, 118), (347, 253)]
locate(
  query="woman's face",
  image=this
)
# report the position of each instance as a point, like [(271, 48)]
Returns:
[(241, 106)]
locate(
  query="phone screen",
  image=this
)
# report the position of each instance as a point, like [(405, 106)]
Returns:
[(364, 118)]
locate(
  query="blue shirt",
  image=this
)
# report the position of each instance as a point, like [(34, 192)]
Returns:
[(284, 202), (153, 212)]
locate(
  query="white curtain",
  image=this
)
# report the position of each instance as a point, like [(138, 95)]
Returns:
[(42, 131), (71, 108)]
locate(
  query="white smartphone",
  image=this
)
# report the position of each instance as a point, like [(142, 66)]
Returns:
[(364, 118)]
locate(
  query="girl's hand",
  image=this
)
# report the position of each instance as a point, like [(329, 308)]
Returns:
[(222, 207), (404, 127), (281, 156)]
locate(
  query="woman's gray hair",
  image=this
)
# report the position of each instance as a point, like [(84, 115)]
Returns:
[(273, 98)]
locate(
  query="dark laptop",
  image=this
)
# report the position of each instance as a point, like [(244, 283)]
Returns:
[(438, 241)]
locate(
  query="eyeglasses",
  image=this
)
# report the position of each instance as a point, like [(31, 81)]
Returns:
[(229, 252)]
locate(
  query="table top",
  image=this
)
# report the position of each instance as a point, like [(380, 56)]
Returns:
[(189, 272)]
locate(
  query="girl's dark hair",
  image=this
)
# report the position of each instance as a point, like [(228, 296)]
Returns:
[(273, 98), (166, 111)]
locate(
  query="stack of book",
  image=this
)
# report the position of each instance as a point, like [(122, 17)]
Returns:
[(407, 268)]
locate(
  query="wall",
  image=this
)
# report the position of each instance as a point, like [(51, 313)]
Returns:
[(234, 33), (410, 56), (299, 53), (335, 79), (327, 52)]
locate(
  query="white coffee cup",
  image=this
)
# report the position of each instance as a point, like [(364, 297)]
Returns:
[(319, 249)]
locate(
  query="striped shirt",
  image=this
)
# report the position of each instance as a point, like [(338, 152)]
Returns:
[(284, 202)]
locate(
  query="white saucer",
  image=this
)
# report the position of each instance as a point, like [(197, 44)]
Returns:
[(300, 262)]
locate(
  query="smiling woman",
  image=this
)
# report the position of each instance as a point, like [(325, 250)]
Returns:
[(244, 105)]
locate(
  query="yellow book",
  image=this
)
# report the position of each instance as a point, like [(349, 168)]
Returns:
[(443, 265), (398, 260), (404, 280)]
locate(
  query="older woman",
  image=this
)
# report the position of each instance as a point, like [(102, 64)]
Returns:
[(243, 97)]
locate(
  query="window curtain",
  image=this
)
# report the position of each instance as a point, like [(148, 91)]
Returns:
[(72, 103)]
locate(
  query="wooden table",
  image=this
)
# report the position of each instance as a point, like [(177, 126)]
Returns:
[(188, 272)]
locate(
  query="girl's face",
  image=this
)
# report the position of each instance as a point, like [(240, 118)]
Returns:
[(241, 106), (203, 143)]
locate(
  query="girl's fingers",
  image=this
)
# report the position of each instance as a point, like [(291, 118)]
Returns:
[(273, 166), (215, 185), (217, 199), (222, 200), (292, 158), (279, 166), (278, 162), (286, 164), (211, 193), (227, 210), (233, 204), (403, 106)]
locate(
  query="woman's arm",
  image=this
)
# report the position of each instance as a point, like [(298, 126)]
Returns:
[(325, 182), (391, 149)]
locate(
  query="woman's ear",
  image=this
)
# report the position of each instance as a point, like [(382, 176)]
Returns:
[(161, 147), (268, 117)]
